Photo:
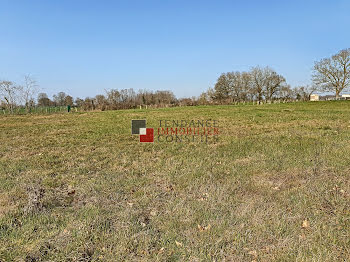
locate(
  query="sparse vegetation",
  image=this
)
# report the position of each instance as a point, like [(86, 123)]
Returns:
[(79, 187)]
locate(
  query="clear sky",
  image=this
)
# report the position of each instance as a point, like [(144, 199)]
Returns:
[(83, 47)]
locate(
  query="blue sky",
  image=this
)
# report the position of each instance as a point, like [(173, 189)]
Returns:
[(83, 47)]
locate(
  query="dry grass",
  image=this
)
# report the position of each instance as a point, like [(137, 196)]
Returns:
[(275, 188)]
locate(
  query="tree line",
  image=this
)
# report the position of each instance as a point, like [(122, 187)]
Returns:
[(258, 84), (263, 83), (113, 99)]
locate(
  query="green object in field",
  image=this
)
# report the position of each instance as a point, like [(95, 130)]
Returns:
[(68, 108)]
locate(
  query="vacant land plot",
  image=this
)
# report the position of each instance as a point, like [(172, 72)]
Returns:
[(80, 187)]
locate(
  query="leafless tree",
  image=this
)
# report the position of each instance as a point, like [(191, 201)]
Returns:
[(186, 102), (146, 97), (246, 80), (258, 82), (304, 92), (59, 99), (204, 99), (234, 85), (29, 90), (286, 92), (273, 83), (10, 93), (333, 74), (79, 102), (113, 98), (265, 82), (165, 97), (101, 102), (88, 104)]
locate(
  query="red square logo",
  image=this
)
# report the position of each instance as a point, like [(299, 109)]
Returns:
[(149, 137)]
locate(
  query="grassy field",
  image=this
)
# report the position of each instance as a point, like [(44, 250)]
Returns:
[(275, 187)]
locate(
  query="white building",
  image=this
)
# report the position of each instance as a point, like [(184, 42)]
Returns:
[(314, 97)]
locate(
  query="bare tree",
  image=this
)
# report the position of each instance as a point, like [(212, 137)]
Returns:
[(273, 83), (286, 92), (59, 99), (10, 93), (101, 102), (165, 97), (29, 90), (146, 97), (234, 85), (204, 99), (79, 102), (266, 82), (304, 92), (88, 104), (211, 94), (333, 74), (258, 82), (113, 98), (246, 81)]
